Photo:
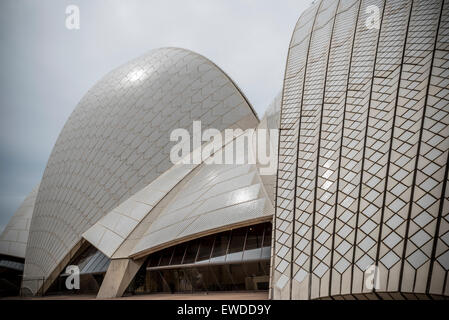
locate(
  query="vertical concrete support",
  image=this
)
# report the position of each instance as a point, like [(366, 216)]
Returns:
[(118, 277)]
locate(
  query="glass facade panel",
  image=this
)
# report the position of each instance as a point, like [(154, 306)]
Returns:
[(226, 277), (243, 244), (230, 260), (254, 242), (254, 238), (166, 256), (220, 247), (267, 235), (205, 249), (235, 252), (237, 240), (178, 255), (191, 252), (92, 264), (266, 253), (154, 260), (254, 254)]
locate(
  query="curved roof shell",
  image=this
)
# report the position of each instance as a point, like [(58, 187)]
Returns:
[(363, 155), (187, 201), (117, 141), (270, 123), (13, 240), (212, 199), (191, 200)]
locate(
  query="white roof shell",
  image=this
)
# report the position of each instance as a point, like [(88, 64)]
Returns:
[(190, 201), (116, 142), (13, 239)]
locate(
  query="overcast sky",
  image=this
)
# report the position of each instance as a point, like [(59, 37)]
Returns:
[(46, 68)]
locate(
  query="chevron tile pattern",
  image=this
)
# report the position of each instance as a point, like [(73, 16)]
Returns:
[(370, 117)]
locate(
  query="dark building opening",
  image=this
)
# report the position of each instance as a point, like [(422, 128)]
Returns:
[(92, 265), (235, 260), (11, 271)]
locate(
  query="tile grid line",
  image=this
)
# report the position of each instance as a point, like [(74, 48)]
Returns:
[(440, 210), (278, 169), (403, 258), (315, 196), (437, 231), (384, 200), (364, 150), (341, 148), (297, 157)]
